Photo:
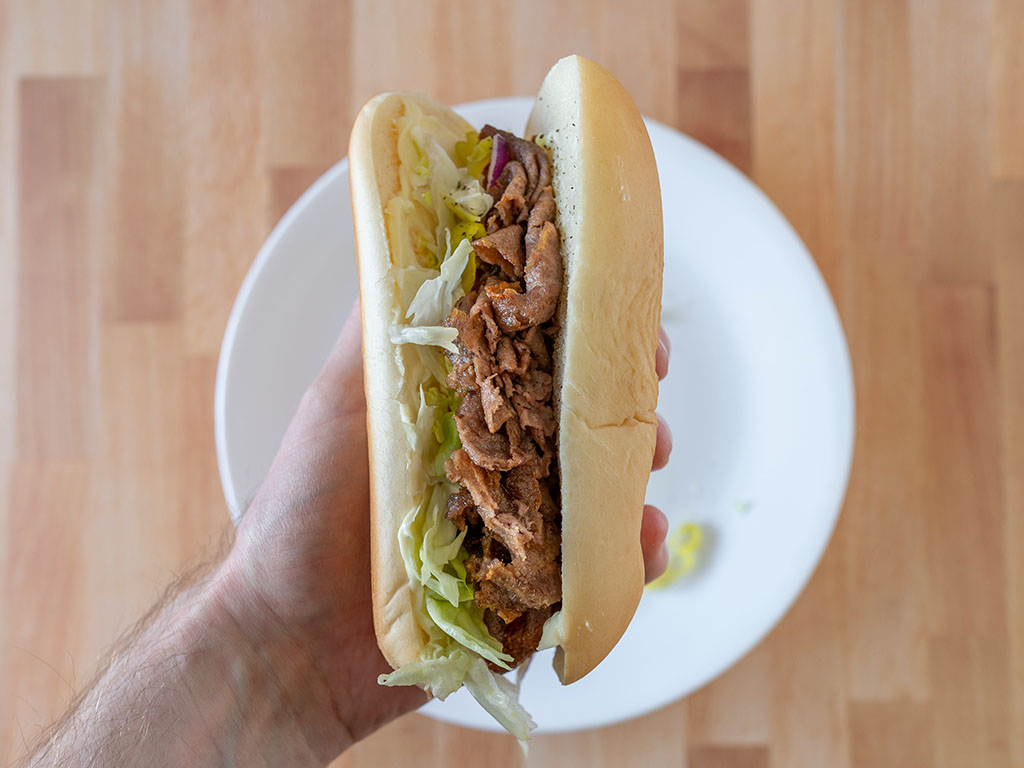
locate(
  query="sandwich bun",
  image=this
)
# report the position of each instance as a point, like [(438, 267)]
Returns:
[(606, 388)]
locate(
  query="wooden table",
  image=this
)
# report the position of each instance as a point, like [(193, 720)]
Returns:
[(148, 147)]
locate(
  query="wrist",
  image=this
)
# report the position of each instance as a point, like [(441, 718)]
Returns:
[(277, 683)]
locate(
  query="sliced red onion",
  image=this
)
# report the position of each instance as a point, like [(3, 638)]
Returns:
[(499, 156)]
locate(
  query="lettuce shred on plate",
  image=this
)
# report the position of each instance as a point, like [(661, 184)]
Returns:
[(684, 545)]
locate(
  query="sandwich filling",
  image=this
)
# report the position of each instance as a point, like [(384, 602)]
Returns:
[(502, 369), (476, 259)]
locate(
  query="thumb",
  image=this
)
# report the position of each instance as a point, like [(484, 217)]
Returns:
[(344, 367)]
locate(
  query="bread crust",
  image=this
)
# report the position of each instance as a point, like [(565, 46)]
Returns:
[(373, 175), (609, 207), (609, 213)]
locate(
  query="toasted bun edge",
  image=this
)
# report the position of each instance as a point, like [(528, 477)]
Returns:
[(609, 208), (373, 173)]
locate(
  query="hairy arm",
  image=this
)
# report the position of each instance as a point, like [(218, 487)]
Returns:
[(267, 656), (201, 680)]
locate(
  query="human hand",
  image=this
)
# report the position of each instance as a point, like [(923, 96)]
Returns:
[(301, 562)]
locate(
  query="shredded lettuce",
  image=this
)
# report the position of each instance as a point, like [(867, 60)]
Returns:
[(460, 644), (410, 228), (429, 335), (418, 213), (437, 184), (447, 434), (444, 430), (436, 296), (419, 429), (466, 626), (431, 548), (434, 363), (442, 396), (500, 698), (430, 224), (440, 676), (409, 281), (469, 202), (442, 174), (440, 543), (444, 674), (426, 249)]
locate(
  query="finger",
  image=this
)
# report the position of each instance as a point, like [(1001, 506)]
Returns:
[(662, 445), (662, 355), (346, 358), (653, 530), (338, 388)]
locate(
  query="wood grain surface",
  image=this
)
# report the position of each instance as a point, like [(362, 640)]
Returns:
[(147, 148)]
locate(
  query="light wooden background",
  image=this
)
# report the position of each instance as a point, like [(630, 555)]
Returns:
[(146, 149)]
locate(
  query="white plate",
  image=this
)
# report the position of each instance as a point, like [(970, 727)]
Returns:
[(760, 400)]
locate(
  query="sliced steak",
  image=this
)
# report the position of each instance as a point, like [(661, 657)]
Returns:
[(507, 464), (504, 249), (519, 633), (515, 311)]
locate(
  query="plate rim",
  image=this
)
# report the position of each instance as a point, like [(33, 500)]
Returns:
[(227, 349)]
